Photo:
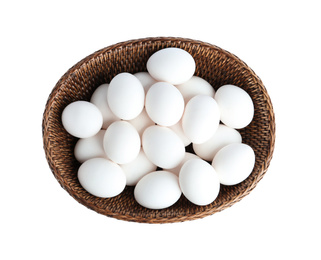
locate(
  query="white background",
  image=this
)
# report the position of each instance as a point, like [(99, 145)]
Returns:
[(279, 40)]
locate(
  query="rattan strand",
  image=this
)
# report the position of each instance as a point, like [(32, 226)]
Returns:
[(214, 64)]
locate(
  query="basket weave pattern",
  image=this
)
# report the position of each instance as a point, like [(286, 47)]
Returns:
[(214, 64)]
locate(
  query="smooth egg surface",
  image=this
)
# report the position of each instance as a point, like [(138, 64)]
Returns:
[(82, 119), (234, 163), (126, 96), (137, 168), (178, 129), (187, 157), (236, 106), (141, 122), (172, 65), (163, 147), (201, 118), (199, 182), (146, 79), (99, 98), (195, 86), (157, 190), (121, 142), (164, 104), (91, 147), (223, 136), (101, 177)]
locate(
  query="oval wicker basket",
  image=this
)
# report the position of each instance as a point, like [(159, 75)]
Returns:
[(214, 64)]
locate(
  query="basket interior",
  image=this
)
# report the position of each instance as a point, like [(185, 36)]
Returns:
[(214, 64)]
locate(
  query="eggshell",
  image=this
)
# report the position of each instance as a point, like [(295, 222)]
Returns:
[(195, 86), (236, 106), (172, 65), (101, 177), (163, 147), (187, 157), (164, 104), (201, 118), (178, 129), (199, 182), (99, 98), (141, 122), (126, 96), (146, 79), (121, 142), (157, 190), (82, 119), (223, 136), (137, 168), (91, 147), (234, 163)]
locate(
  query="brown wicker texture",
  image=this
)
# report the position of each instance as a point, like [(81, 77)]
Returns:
[(214, 64)]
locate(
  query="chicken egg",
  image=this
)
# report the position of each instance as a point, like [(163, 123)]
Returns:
[(223, 136), (195, 86), (201, 118), (126, 96), (82, 119), (91, 147), (199, 182), (121, 142), (178, 129), (236, 106), (141, 122), (163, 147), (187, 157), (157, 190), (164, 104), (146, 79), (137, 168), (99, 98), (172, 65), (234, 163), (101, 177)]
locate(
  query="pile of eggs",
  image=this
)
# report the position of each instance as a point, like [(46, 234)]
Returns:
[(134, 131)]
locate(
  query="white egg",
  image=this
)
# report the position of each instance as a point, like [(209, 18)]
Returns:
[(201, 118), (82, 119), (199, 182), (146, 79), (163, 147), (91, 147), (141, 122), (126, 96), (223, 136), (164, 104), (157, 190), (172, 65), (195, 86), (99, 98), (137, 168), (187, 157), (178, 129), (236, 106), (101, 177), (121, 142), (234, 163)]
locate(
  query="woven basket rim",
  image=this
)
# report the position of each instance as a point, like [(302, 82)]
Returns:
[(76, 70)]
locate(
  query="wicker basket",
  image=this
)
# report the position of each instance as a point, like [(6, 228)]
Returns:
[(214, 64)]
